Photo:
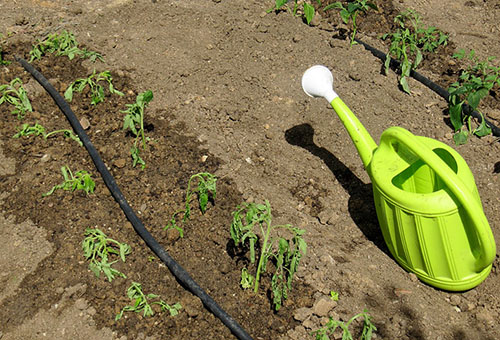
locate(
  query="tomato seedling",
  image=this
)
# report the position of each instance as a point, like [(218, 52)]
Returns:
[(248, 220), (141, 303), (330, 327), (351, 12), (473, 85), (98, 247), (134, 121), (96, 89), (408, 42), (27, 130), (82, 180), (308, 9), (63, 43), (39, 130), (207, 186), (15, 94)]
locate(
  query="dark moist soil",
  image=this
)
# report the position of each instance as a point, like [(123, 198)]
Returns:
[(155, 193)]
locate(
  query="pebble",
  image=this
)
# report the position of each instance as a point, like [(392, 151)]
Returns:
[(401, 292), (120, 163), (298, 333), (301, 314), (323, 306), (46, 158), (84, 122), (455, 300), (311, 323), (173, 235), (316, 20), (81, 304), (413, 277), (192, 305)]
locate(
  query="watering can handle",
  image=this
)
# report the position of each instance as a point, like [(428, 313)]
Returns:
[(454, 183)]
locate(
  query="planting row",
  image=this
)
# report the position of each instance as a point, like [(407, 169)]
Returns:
[(409, 43)]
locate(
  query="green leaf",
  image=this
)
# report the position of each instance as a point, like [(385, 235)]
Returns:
[(404, 84), (202, 195), (475, 97), (345, 15), (460, 137), (483, 129), (308, 12), (335, 5), (247, 280), (456, 115)]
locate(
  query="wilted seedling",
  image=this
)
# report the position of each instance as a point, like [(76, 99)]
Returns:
[(66, 133), (82, 180), (27, 130), (250, 218), (141, 303), (97, 248), (38, 130), (63, 43), (330, 327), (15, 94), (134, 121), (207, 185), (96, 89)]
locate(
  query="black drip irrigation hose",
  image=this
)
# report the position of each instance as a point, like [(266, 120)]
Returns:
[(180, 273), (432, 85)]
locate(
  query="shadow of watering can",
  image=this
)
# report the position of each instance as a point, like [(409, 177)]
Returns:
[(427, 203)]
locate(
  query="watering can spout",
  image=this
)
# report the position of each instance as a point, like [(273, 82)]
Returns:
[(317, 81)]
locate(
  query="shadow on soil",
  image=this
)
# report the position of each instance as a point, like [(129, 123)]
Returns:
[(361, 205)]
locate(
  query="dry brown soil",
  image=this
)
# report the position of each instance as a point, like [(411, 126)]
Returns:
[(227, 100)]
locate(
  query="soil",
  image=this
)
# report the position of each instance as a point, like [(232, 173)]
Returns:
[(227, 100)]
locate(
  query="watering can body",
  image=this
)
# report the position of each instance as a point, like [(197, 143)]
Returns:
[(430, 212), (426, 199)]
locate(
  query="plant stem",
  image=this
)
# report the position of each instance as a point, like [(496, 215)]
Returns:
[(263, 257), (142, 130)]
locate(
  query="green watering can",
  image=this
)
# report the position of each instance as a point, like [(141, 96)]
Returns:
[(427, 202)]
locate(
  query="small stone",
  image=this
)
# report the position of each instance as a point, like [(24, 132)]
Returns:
[(298, 333), (302, 314), (297, 38), (192, 305), (84, 122), (327, 217), (46, 158), (311, 323), (172, 235), (399, 292), (466, 306), (455, 300), (120, 163), (323, 306), (316, 20), (413, 277), (203, 158), (81, 304)]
